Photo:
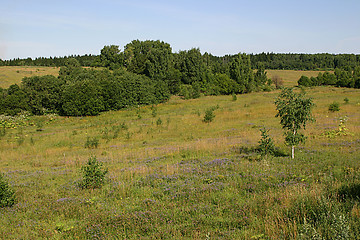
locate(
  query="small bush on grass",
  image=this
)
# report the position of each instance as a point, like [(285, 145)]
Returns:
[(209, 115), (266, 144), (94, 175), (334, 107), (234, 97), (7, 195)]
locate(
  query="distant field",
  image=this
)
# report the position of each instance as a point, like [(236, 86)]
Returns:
[(12, 74), (290, 77)]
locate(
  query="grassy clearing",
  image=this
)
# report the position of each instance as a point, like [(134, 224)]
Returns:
[(182, 178), (13, 74), (290, 77)]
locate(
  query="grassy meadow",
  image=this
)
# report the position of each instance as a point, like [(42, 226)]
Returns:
[(290, 77), (172, 176), (13, 74)]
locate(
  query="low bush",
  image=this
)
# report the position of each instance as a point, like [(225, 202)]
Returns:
[(7, 195), (94, 175), (334, 107)]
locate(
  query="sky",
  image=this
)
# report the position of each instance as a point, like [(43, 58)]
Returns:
[(44, 28)]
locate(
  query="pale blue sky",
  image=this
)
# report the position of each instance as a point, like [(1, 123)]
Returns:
[(60, 28)]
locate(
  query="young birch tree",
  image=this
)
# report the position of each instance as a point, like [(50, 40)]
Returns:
[(294, 110)]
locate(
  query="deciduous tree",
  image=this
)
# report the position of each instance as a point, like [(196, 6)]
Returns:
[(294, 110)]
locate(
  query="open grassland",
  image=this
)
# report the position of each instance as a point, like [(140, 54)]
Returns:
[(172, 176), (290, 77), (13, 74)]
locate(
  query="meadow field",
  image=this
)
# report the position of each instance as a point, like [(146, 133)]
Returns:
[(13, 74), (173, 176)]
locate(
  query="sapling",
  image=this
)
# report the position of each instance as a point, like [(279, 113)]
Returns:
[(294, 110), (266, 144)]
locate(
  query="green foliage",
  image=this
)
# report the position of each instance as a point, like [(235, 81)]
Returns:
[(346, 100), (7, 195), (190, 64), (13, 101), (110, 57), (82, 98), (92, 142), (241, 72), (266, 143), (43, 93), (305, 81), (234, 97), (334, 107), (93, 174), (150, 58), (209, 115), (294, 111), (341, 78)]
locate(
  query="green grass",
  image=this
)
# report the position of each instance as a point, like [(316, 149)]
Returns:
[(183, 178)]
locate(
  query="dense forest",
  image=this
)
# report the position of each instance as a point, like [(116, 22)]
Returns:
[(146, 72)]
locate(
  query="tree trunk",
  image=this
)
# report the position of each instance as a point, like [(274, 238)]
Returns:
[(293, 148)]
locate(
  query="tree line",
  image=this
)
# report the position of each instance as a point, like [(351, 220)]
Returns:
[(348, 77), (297, 61), (145, 72), (280, 61)]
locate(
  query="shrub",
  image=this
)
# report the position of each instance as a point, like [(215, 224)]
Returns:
[(334, 107), (92, 142), (7, 195), (346, 100), (93, 174), (266, 144), (234, 97), (305, 81), (209, 115)]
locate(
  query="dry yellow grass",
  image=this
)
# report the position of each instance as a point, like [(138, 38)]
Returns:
[(290, 77), (13, 74)]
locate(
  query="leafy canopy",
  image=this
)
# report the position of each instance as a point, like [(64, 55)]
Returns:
[(294, 110)]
